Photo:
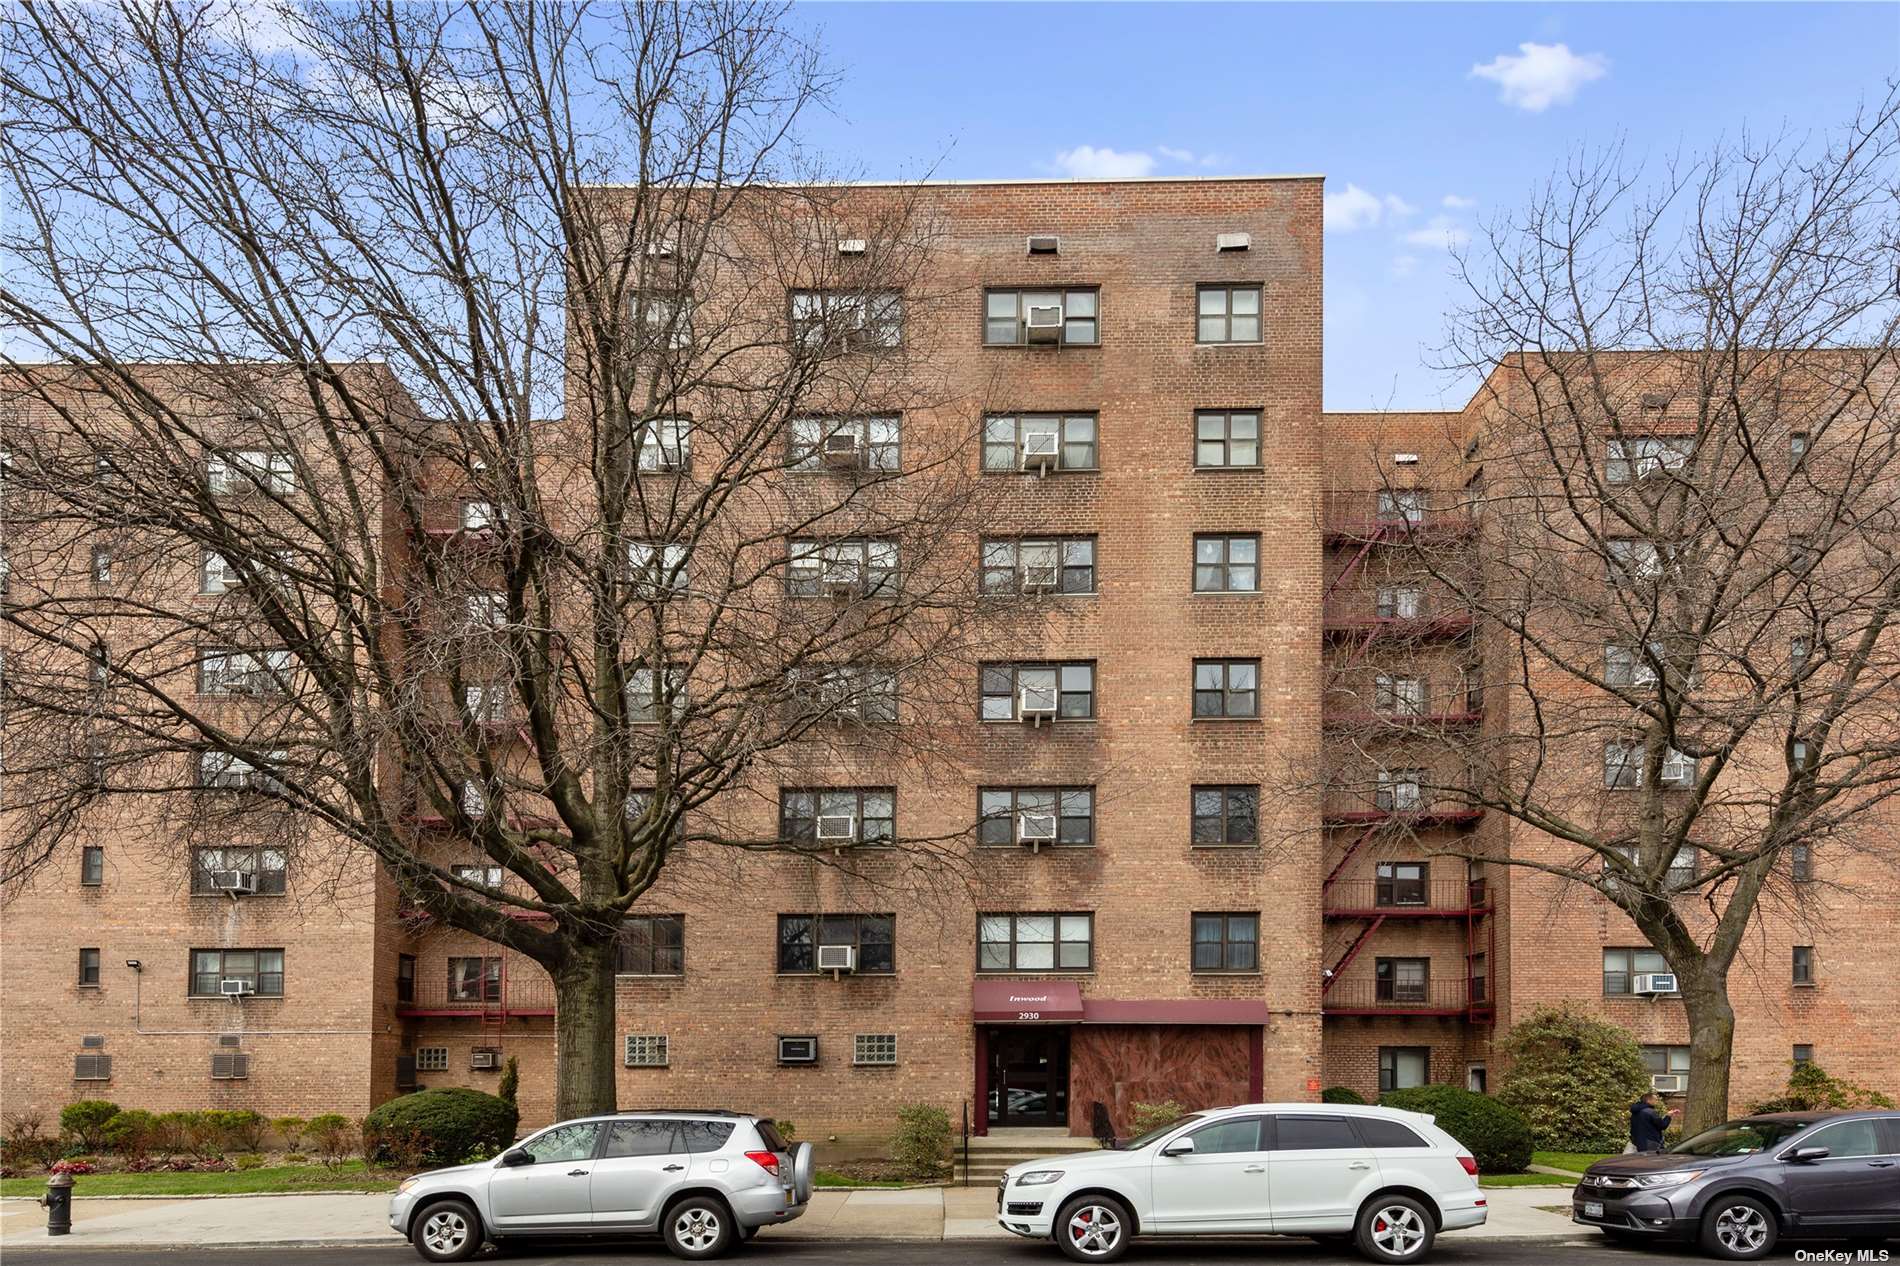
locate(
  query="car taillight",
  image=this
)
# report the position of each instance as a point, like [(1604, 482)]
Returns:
[(768, 1161), (1470, 1164)]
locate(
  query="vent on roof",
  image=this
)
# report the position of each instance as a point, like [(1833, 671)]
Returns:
[(851, 246), (1233, 241), (93, 1041), (1045, 244), (230, 1039)]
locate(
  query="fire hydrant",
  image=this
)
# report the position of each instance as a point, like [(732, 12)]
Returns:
[(59, 1204)]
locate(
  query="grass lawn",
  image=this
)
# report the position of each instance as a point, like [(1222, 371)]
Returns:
[(1525, 1180), (346, 1177), (1575, 1162)]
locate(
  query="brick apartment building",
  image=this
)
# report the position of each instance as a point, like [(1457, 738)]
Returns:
[(1164, 902)]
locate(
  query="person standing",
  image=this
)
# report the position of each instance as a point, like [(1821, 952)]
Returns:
[(1647, 1123)]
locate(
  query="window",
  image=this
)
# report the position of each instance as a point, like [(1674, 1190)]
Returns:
[(1803, 553), (1010, 689), (474, 798), (223, 670), (1006, 316), (644, 1050), (1621, 966), (1797, 445), (564, 1144), (1803, 965), (849, 568), (845, 443), (481, 611), (1025, 815), (262, 969), (478, 516), (92, 865), (1226, 815), (651, 945), (230, 772), (1401, 505), (1401, 1068), (664, 319), (432, 1059), (241, 471), (1013, 443), (1801, 862), (1314, 1134), (657, 569), (666, 444), (1850, 1139), (1476, 970), (216, 575), (1225, 438), (1632, 561), (873, 935), (1379, 1132), (1623, 767), (263, 871), (1626, 666), (1639, 457), (1401, 979), (838, 817), (1799, 648), (1039, 566), (1401, 883), (1683, 867), (102, 565), (1398, 696), (1227, 1138), (1803, 1054), (1668, 1061), (1399, 602), (475, 979), (1226, 942), (649, 693), (405, 978), (89, 969), (481, 875), (874, 1050), (1227, 314), (1034, 942), (856, 692), (847, 320), (1227, 564), (487, 704), (1226, 688), (1399, 790)]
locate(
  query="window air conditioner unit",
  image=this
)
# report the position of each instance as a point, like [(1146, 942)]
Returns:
[(1039, 578), (1666, 1083), (236, 988), (1038, 704), (1039, 450), (837, 957), (1654, 982), (482, 1058), (851, 246), (1042, 323), (1036, 829), (1232, 241), (841, 450), (233, 881), (798, 1050), (836, 826)]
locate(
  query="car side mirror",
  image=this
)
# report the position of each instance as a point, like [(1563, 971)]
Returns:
[(1180, 1147), (517, 1156), (1807, 1154)]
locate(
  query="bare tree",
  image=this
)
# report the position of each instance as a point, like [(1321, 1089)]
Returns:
[(504, 443), (1680, 549)]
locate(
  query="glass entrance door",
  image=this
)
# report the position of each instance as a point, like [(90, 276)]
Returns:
[(1029, 1077)]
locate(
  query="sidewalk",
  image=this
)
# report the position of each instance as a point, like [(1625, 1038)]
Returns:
[(296, 1221)]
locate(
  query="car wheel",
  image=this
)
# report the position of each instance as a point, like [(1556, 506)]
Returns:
[(1739, 1228), (697, 1228), (446, 1231), (1394, 1229), (1094, 1228)]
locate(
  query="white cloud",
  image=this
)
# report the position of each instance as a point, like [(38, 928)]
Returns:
[(1397, 207), (1086, 162), (1351, 208), (1175, 155), (1440, 232), (1404, 265), (1457, 202), (1539, 76)]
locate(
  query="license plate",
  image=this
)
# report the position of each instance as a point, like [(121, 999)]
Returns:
[(1593, 1208)]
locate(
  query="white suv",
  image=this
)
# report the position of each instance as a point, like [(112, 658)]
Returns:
[(1387, 1179)]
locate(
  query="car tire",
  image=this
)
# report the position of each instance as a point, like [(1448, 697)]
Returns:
[(1738, 1228), (698, 1228), (1394, 1229), (1094, 1229), (446, 1231)]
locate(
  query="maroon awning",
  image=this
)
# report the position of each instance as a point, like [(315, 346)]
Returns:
[(1027, 1001)]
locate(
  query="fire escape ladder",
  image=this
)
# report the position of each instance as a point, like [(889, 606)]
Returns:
[(1358, 558), (1345, 860), (1352, 952)]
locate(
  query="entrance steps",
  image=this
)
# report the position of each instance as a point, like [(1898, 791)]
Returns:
[(992, 1153)]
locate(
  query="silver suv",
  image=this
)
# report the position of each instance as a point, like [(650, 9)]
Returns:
[(702, 1180)]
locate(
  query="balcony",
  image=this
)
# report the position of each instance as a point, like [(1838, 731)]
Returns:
[(531, 996), (1392, 514), (1350, 621), (454, 521), (1436, 899), (1350, 806), (1459, 998), (1373, 722)]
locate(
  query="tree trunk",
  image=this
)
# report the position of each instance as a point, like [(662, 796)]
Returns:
[(584, 1031), (1711, 1043)]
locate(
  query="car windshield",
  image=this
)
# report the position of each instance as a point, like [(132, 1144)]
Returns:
[(1142, 1140), (1740, 1138)]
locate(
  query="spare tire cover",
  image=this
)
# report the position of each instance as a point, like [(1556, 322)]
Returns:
[(804, 1165)]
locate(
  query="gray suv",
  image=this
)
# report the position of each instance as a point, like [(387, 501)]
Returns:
[(700, 1179), (1741, 1186)]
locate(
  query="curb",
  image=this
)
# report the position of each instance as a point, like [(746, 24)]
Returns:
[(222, 1195), (194, 1246)]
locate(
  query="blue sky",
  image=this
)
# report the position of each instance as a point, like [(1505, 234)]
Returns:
[(1383, 98)]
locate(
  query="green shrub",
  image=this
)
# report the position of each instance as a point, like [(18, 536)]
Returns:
[(289, 1130), (249, 1160), (1574, 1078), (334, 1136), (1811, 1089), (1496, 1133), (84, 1121), (237, 1129), (1341, 1094), (132, 1132), (510, 1080), (1143, 1117), (921, 1146), (442, 1127)]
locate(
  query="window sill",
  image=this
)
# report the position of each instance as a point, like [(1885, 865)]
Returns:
[(1047, 844), (1229, 470), (1223, 971), (649, 975), (1058, 345), (826, 975), (1223, 845), (1059, 470), (1225, 593), (1232, 343), (1804, 984), (1018, 721), (1254, 720), (1084, 972)]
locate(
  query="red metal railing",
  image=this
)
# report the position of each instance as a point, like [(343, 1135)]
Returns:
[(528, 995), (1437, 898), (1369, 997)]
